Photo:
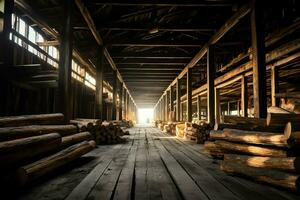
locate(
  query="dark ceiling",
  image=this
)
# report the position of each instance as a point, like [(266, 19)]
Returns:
[(152, 41)]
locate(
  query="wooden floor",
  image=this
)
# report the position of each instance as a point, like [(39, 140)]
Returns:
[(151, 165)]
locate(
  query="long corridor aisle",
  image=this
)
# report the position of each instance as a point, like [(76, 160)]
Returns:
[(154, 165)]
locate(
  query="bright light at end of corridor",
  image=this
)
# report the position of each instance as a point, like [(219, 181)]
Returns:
[(145, 115)]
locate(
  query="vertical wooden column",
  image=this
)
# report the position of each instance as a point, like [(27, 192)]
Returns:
[(238, 106), (274, 85), (115, 92), (65, 60), (178, 100), (210, 85), (258, 60), (99, 84), (244, 96), (168, 105), (189, 94), (127, 105), (6, 50), (199, 106), (171, 103), (217, 106), (121, 102)]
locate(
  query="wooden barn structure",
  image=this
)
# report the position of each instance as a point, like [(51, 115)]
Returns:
[(222, 78)]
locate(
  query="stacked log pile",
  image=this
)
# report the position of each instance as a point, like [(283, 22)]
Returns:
[(270, 157), (197, 132), (32, 146), (180, 129), (104, 132)]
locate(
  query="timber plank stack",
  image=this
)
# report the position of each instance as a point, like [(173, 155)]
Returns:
[(197, 132), (104, 132), (269, 157), (32, 146)]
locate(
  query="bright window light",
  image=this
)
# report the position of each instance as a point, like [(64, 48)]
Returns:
[(145, 115)]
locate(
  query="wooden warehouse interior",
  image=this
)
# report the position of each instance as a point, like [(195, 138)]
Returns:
[(221, 77)]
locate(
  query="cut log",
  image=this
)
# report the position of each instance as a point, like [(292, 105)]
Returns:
[(274, 177), (292, 133), (33, 171), (249, 127), (244, 120), (280, 119), (20, 150), (76, 138), (275, 109), (252, 150), (11, 133), (22, 120), (255, 137), (291, 164), (216, 135)]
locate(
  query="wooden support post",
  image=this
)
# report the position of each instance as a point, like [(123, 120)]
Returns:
[(244, 96), (210, 85), (228, 107), (99, 84), (121, 101), (274, 85), (166, 107), (6, 50), (238, 105), (127, 105), (124, 102), (115, 92), (199, 106), (167, 104), (171, 99), (189, 90), (65, 69), (258, 60), (178, 100), (217, 106)]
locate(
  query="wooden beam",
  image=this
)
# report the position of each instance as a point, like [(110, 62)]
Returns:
[(189, 90), (167, 105), (163, 3), (199, 107), (153, 44), (244, 96), (120, 102), (210, 85), (171, 99), (217, 106), (90, 22), (6, 52), (258, 61), (274, 85), (178, 100), (65, 62), (99, 84), (231, 22), (115, 92)]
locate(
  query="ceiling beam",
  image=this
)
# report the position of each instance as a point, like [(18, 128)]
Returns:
[(149, 43), (190, 3), (231, 22), (90, 22)]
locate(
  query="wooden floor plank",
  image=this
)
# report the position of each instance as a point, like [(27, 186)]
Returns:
[(124, 186), (158, 177), (81, 191), (213, 188), (238, 185), (105, 186), (184, 182)]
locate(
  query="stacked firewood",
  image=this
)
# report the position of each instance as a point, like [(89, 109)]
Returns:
[(32, 146), (266, 150), (180, 129), (103, 132), (197, 132), (170, 128)]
